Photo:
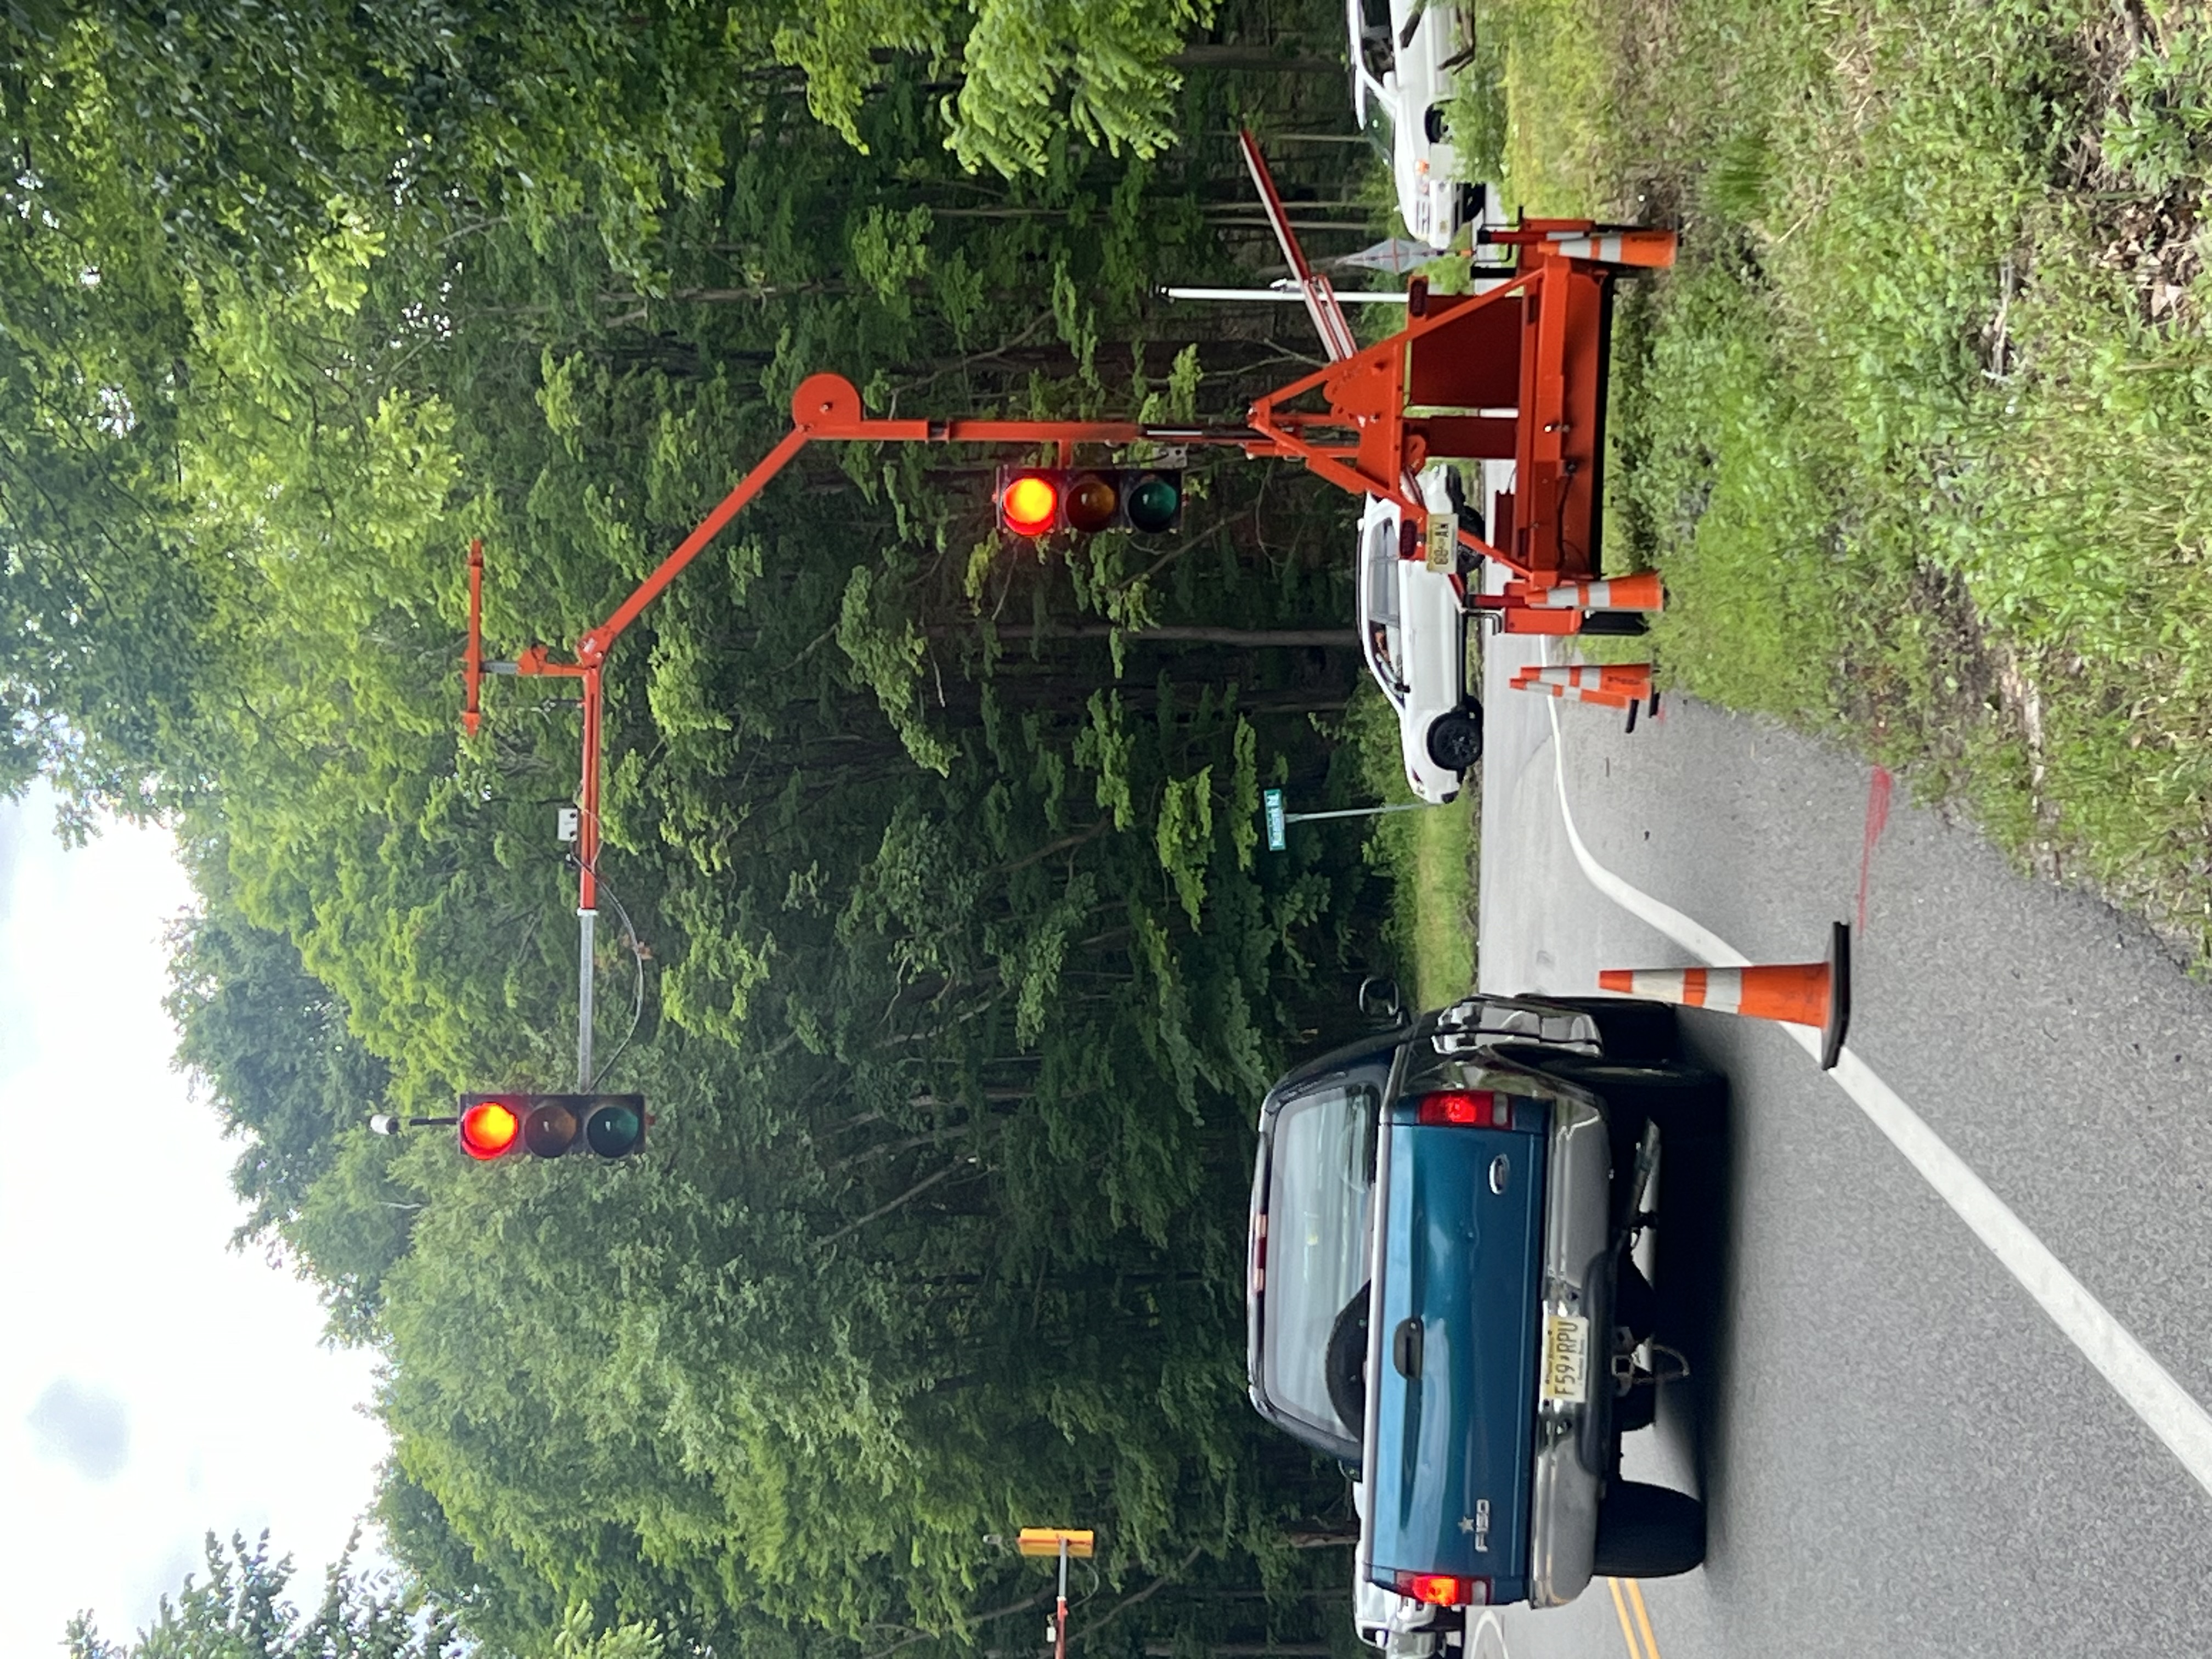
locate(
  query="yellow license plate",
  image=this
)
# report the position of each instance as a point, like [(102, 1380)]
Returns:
[(1566, 1360), (1442, 542)]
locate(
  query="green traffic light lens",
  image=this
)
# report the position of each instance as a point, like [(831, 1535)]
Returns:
[(614, 1131), (1154, 503)]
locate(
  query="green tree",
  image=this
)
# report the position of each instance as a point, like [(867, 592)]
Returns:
[(239, 1611)]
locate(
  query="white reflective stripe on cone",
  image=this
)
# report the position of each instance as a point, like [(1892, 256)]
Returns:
[(1725, 990)]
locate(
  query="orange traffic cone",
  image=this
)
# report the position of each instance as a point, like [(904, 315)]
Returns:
[(1816, 993), (1652, 250), (1613, 685), (1641, 591), (1630, 680)]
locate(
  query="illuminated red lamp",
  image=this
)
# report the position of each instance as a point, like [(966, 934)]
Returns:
[(489, 1128), (1469, 1108), (1030, 504), (1443, 1590)]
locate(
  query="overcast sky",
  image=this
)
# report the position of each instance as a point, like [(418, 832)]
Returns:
[(154, 1383)]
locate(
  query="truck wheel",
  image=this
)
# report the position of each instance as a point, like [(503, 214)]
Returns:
[(1343, 1364), (1634, 1033), (1686, 1102), (1455, 739), (1648, 1532)]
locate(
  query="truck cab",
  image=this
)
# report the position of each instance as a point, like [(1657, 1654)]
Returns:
[(1442, 1294)]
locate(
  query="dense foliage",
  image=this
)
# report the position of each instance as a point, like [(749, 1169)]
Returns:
[(956, 969)]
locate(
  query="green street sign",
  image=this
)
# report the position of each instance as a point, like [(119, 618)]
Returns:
[(1274, 797)]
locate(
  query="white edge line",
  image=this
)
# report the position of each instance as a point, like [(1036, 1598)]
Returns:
[(2166, 1408)]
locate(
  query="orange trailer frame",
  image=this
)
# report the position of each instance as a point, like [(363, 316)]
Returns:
[(1518, 374)]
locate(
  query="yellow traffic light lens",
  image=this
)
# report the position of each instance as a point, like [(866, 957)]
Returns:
[(1090, 504), (1031, 504), (549, 1131), (489, 1129)]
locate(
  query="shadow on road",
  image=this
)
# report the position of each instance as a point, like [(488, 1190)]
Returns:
[(1694, 1275)]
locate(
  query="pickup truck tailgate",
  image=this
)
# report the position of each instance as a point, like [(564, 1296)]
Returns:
[(1453, 1359)]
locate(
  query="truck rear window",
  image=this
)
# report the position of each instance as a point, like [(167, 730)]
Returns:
[(1321, 1176)]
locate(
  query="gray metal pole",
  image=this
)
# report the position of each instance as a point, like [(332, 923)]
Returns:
[(587, 927), (1359, 811), (1353, 296)]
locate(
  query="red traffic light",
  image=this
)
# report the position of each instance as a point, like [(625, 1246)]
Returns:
[(551, 1125), (1029, 503), (490, 1125)]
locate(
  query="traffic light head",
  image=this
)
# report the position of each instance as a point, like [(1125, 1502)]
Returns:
[(550, 1126), (1034, 501)]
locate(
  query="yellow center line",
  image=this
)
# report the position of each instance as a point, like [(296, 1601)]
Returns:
[(1627, 1630), (1644, 1619)]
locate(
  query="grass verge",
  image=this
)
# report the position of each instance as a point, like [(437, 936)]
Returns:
[(1920, 429), (1429, 857)]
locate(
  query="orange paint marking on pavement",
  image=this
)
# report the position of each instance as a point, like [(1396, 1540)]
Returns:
[(1877, 820), (1627, 1630), (1644, 1619)]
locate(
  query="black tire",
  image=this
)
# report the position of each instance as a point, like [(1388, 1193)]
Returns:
[(1619, 623), (1634, 1033), (1436, 124), (1455, 739), (1343, 1364), (1686, 1102), (1648, 1532)]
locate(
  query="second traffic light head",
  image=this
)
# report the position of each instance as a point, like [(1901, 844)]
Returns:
[(1036, 501), (550, 1126)]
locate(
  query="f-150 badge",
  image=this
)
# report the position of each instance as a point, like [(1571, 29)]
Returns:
[(1478, 1524)]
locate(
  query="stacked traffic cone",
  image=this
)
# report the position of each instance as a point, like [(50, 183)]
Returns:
[(1641, 591), (1816, 993), (1615, 685), (1652, 250), (1584, 239)]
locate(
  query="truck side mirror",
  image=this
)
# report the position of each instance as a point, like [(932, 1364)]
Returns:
[(1379, 999)]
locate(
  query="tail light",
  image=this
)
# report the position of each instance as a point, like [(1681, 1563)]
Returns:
[(1477, 1108), (1442, 1590), (1259, 1253)]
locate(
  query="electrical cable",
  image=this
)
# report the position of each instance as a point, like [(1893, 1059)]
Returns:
[(637, 959)]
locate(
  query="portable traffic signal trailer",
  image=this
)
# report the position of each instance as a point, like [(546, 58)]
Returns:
[(1516, 373)]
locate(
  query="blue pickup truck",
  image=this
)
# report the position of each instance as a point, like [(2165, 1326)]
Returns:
[(1443, 1296)]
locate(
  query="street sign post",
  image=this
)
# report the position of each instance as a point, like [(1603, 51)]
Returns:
[(1062, 1541), (1280, 821)]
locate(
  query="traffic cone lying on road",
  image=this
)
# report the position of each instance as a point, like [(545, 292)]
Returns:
[(1816, 993), (1628, 681), (1616, 685)]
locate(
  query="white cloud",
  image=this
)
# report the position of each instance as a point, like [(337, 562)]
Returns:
[(87, 1428)]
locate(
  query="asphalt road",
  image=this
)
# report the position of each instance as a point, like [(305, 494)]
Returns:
[(1900, 1452)]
